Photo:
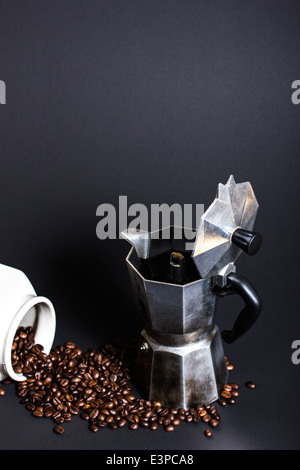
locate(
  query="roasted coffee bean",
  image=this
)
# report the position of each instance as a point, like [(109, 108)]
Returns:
[(231, 401), (31, 407), (79, 403), (130, 398), (189, 418), (157, 404), (122, 423), (73, 410), (250, 385), (113, 425), (225, 394), (59, 420), (93, 428), (6, 381), (56, 415), (169, 428), (113, 377), (133, 426), (222, 401), (144, 424), (2, 392), (64, 382), (94, 413), (227, 387), (235, 386), (206, 418), (208, 433), (101, 417), (153, 426), (102, 424), (213, 423), (153, 418), (59, 429), (213, 410), (67, 416)]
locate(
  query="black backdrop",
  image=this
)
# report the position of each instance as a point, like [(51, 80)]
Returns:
[(159, 101)]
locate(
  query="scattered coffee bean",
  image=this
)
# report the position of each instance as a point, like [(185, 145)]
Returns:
[(227, 387), (225, 394), (169, 428), (208, 433), (93, 428), (222, 402), (231, 401), (250, 385), (176, 421), (234, 386), (213, 423), (59, 429)]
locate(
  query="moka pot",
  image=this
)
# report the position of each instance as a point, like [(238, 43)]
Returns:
[(180, 360)]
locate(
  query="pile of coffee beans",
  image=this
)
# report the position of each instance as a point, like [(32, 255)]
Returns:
[(96, 386)]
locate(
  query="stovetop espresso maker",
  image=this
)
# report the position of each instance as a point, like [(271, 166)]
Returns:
[(180, 360)]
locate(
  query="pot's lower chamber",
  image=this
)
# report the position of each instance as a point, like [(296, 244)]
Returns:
[(181, 376)]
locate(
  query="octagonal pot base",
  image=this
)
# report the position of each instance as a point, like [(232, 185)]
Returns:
[(181, 376)]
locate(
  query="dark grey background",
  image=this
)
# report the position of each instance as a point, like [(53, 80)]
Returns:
[(159, 101)]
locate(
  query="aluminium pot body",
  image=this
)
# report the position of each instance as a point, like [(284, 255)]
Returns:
[(180, 360)]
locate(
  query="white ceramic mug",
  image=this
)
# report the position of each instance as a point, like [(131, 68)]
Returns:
[(20, 306)]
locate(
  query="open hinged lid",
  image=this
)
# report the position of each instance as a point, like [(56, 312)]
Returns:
[(224, 229)]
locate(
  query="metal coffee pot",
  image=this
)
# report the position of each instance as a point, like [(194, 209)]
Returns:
[(180, 360)]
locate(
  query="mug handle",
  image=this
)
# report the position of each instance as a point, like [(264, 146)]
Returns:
[(247, 317)]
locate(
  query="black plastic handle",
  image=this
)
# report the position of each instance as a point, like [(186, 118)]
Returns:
[(248, 316), (249, 242)]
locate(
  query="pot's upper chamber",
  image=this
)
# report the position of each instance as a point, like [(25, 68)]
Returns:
[(173, 284)]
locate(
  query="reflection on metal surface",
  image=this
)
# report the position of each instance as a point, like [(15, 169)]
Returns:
[(235, 206)]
